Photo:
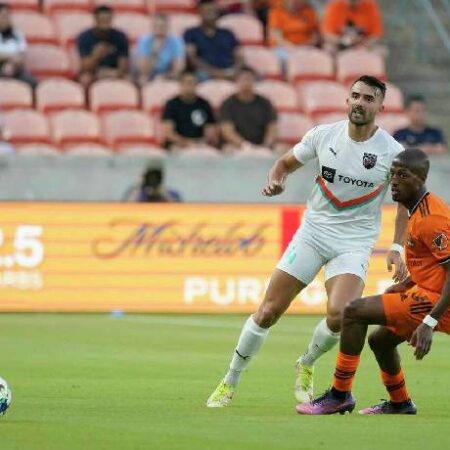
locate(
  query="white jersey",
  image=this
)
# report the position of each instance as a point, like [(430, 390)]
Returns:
[(351, 183)]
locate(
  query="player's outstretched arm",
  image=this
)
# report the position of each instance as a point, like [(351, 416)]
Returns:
[(285, 165), (394, 257), (423, 335)]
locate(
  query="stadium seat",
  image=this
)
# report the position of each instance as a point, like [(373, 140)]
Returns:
[(247, 29), (263, 61), (70, 24), (171, 6), (318, 97), (124, 5), (179, 23), (75, 127), (24, 5), (392, 122), (47, 61), (52, 6), (281, 94), (38, 150), (25, 126), (292, 127), (216, 91), (88, 149), (156, 93), (134, 25), (151, 151), (109, 95), (393, 102), (15, 94), (306, 64), (320, 119), (122, 128), (37, 28), (55, 94), (351, 64)]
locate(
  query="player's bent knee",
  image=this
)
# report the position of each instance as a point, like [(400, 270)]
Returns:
[(374, 342), (354, 310), (334, 319), (267, 315)]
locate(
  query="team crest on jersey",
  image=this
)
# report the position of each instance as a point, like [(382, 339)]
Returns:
[(441, 241), (369, 160)]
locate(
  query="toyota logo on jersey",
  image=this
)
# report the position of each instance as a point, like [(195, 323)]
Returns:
[(369, 160)]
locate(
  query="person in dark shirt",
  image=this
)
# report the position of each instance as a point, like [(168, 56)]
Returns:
[(103, 49), (418, 134), (211, 51), (188, 119), (246, 118)]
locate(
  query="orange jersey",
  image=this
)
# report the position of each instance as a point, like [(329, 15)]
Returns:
[(428, 243), (365, 15)]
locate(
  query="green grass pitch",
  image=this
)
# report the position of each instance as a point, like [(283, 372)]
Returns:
[(140, 382)]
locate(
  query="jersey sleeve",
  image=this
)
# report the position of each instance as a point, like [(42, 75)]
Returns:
[(435, 234), (306, 149)]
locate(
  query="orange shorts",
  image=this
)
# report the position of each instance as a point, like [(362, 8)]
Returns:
[(406, 310)]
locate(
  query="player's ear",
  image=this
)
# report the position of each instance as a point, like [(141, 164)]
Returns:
[(381, 108)]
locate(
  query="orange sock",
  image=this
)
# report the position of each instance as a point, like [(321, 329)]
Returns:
[(346, 366), (395, 385)]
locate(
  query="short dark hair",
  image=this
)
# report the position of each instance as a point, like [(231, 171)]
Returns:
[(187, 73), (415, 98), (373, 82), (4, 5), (204, 2), (103, 9)]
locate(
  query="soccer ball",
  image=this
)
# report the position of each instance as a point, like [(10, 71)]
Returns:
[(5, 396)]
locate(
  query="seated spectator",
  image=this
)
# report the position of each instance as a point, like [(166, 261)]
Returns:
[(418, 134), (212, 52), (103, 49), (352, 23), (151, 189), (188, 119), (246, 118), (159, 54), (12, 49)]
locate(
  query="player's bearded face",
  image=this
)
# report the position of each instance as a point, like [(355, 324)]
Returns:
[(363, 104)]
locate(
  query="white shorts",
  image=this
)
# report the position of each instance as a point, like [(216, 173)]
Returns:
[(307, 254)]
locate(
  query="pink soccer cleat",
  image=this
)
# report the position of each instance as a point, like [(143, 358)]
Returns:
[(327, 403)]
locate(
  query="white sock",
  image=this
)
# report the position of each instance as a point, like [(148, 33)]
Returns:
[(323, 340), (250, 341)]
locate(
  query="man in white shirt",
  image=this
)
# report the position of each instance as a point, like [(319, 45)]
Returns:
[(338, 231), (12, 49)]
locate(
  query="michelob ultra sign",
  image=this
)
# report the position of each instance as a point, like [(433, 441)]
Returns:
[(154, 257)]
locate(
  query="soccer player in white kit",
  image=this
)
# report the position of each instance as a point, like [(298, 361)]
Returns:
[(338, 230)]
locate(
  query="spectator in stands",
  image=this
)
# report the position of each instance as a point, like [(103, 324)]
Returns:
[(159, 54), (212, 52), (188, 119), (103, 49), (352, 23), (246, 118), (12, 49), (418, 134)]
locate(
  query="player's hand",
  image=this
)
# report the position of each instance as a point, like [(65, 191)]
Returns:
[(421, 340), (395, 259), (274, 187)]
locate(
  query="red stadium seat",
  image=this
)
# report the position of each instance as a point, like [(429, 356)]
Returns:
[(48, 61), (56, 94), (292, 127), (281, 94), (70, 24), (109, 95), (15, 94), (247, 29), (122, 128), (216, 91), (179, 23), (156, 93), (75, 127), (25, 126), (171, 6), (88, 149), (37, 28), (134, 25), (263, 61), (393, 102), (318, 97), (351, 64), (124, 5), (52, 6), (392, 122), (24, 5), (320, 119), (306, 64), (38, 150)]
